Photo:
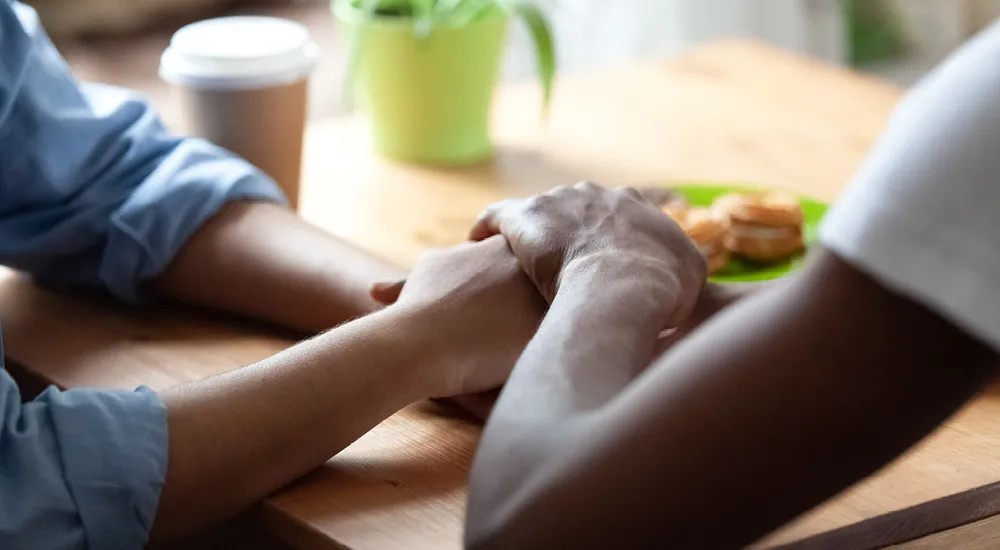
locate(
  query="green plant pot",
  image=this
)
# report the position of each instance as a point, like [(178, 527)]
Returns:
[(428, 97)]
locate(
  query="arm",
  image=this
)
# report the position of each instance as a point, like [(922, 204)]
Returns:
[(767, 410), (458, 327), (238, 437), (262, 260), (80, 468), (95, 193), (91, 468), (714, 298), (788, 396)]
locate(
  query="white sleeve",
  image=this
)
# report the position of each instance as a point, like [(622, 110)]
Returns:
[(922, 215)]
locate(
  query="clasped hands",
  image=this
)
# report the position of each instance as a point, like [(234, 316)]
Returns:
[(484, 300)]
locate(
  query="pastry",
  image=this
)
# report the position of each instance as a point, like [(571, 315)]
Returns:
[(677, 211), (707, 229), (764, 227)]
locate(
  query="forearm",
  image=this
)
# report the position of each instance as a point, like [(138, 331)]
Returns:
[(780, 402), (714, 298), (237, 437), (261, 260), (596, 338)]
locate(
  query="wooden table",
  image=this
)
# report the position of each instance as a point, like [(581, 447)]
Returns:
[(733, 111)]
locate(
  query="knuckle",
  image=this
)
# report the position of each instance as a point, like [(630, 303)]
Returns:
[(489, 213), (633, 193), (534, 205), (540, 205), (432, 256), (545, 199), (500, 206)]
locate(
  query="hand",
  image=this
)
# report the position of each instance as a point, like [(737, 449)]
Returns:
[(476, 297), (590, 225)]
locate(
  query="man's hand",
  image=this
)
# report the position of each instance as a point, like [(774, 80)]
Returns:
[(587, 226), (477, 297)]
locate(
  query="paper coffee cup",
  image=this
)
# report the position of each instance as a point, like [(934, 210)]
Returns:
[(242, 84)]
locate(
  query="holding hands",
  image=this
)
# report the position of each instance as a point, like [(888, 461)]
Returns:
[(481, 309), (603, 232), (487, 296)]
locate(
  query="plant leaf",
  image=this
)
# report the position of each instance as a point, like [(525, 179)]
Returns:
[(423, 17), (368, 7), (444, 8), (464, 12), (545, 53)]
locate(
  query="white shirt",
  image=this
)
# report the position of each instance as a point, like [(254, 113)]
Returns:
[(922, 215)]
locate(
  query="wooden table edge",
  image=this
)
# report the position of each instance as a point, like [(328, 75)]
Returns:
[(908, 524)]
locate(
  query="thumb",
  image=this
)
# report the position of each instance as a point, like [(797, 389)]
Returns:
[(488, 223), (386, 293)]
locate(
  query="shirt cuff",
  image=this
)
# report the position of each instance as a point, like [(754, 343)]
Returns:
[(113, 446), (186, 189)]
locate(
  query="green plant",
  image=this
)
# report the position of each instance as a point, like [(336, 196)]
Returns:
[(429, 14), (874, 32)]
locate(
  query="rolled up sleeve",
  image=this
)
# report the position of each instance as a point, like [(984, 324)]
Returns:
[(80, 468), (94, 192)]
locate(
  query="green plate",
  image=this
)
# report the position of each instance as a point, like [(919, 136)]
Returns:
[(738, 270)]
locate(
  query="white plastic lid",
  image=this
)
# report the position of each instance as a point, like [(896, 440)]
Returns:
[(238, 53)]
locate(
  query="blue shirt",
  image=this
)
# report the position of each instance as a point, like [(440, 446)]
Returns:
[(93, 193)]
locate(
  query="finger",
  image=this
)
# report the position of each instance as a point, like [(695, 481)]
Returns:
[(496, 243), (587, 186), (488, 223), (633, 193), (387, 293), (691, 284)]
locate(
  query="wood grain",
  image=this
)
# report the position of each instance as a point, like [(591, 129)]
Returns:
[(733, 111), (980, 535)]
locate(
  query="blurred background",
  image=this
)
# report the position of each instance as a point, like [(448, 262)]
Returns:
[(120, 41)]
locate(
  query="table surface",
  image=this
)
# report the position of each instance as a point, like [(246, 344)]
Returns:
[(730, 111)]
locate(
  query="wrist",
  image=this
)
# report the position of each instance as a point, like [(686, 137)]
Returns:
[(627, 291), (643, 280), (423, 346)]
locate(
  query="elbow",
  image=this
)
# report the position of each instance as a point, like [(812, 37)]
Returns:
[(522, 500), (520, 529), (491, 519), (483, 524), (480, 541), (489, 534), (507, 523)]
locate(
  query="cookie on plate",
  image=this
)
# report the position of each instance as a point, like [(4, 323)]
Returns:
[(707, 229), (764, 227), (677, 211)]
